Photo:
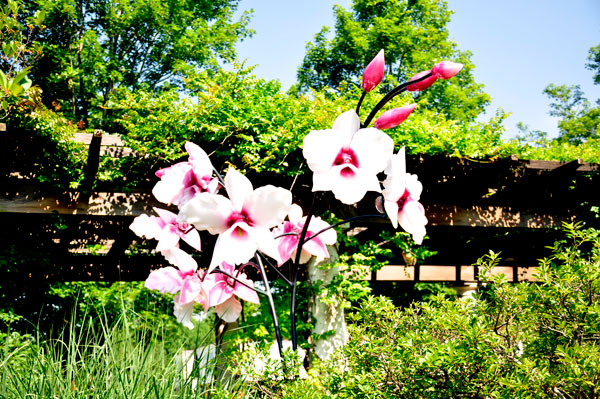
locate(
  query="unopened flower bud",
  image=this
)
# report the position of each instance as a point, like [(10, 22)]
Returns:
[(422, 85), (374, 72), (393, 117), (446, 69)]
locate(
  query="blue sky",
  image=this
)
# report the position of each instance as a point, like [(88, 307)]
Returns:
[(519, 47)]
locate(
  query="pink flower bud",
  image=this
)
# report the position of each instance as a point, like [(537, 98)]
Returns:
[(446, 69), (374, 72), (422, 85), (393, 117)]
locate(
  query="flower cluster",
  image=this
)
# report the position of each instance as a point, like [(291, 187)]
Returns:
[(262, 225)]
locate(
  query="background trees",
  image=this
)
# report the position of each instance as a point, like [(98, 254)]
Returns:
[(93, 47), (414, 35)]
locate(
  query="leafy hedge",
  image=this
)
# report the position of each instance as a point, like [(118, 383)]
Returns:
[(527, 340)]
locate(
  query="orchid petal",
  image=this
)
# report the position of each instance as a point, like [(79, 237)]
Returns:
[(167, 216), (373, 149), (146, 226), (220, 291), (181, 259), (414, 186), (191, 288), (199, 159), (168, 238), (266, 243), (391, 209), (192, 237), (168, 189), (183, 312), (412, 219), (230, 310), (346, 125), (207, 212), (269, 205), (316, 247), (295, 214), (235, 245), (238, 187), (166, 279), (243, 292), (320, 148), (328, 237)]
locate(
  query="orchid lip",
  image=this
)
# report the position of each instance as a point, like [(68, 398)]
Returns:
[(346, 156)]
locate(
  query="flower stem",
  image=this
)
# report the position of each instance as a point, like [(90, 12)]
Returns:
[(342, 222), (362, 97), (217, 270), (395, 91), (295, 273), (271, 306)]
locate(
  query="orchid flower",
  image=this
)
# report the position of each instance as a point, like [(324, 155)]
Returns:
[(422, 85), (168, 232), (189, 286), (242, 221), (222, 291), (374, 72), (393, 117), (288, 243), (182, 181), (401, 198), (346, 159), (446, 69)]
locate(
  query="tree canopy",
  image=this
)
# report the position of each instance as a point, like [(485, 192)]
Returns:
[(92, 47), (414, 36), (579, 119)]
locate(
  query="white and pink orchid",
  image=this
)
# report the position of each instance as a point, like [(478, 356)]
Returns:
[(401, 194), (346, 158), (242, 221), (288, 234), (182, 181), (187, 284), (222, 291), (168, 231)]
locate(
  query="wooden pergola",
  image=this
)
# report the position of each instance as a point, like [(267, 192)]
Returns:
[(509, 205)]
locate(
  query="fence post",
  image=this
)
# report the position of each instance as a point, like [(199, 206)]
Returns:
[(3, 152), (93, 162)]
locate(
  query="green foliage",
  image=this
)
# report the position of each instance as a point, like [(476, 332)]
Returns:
[(414, 36), (526, 340), (237, 118), (95, 358), (92, 47), (53, 157), (16, 55), (594, 63)]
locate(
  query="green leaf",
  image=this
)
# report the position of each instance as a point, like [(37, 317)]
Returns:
[(3, 81)]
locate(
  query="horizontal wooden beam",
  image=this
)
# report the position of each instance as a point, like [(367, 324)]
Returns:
[(98, 204), (445, 273), (134, 204), (495, 216)]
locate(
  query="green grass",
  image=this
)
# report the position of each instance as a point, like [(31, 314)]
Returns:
[(92, 359)]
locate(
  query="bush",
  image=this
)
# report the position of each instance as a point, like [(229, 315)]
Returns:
[(526, 340)]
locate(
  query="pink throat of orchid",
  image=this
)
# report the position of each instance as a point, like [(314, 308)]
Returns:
[(237, 217), (346, 156), (402, 200)]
